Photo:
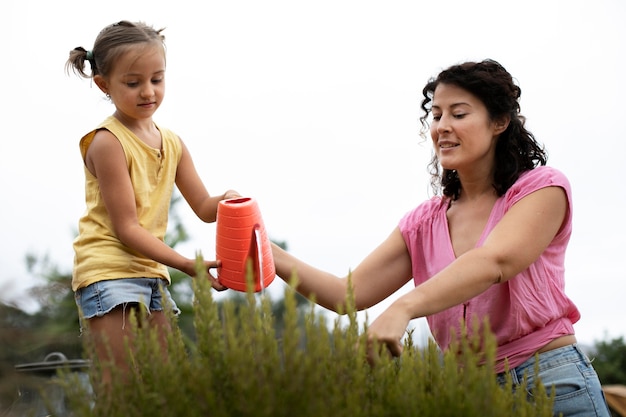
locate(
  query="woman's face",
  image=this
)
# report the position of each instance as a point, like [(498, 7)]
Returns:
[(464, 136)]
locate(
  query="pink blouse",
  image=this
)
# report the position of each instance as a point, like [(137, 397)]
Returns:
[(524, 313)]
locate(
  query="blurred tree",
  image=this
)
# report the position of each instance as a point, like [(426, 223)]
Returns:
[(56, 322), (16, 336), (610, 361), (55, 326)]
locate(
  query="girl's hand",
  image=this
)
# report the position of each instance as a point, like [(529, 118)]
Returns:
[(191, 271), (214, 282), (231, 194)]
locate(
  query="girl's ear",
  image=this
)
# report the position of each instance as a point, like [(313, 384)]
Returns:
[(101, 83)]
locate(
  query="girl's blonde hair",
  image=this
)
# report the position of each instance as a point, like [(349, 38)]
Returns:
[(110, 43)]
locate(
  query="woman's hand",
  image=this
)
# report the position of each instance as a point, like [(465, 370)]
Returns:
[(385, 334)]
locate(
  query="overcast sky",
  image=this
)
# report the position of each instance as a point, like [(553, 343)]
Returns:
[(312, 108)]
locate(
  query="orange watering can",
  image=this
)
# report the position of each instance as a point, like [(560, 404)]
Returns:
[(241, 240)]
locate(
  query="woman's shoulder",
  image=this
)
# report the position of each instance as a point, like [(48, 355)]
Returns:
[(536, 179), (425, 211), (542, 176)]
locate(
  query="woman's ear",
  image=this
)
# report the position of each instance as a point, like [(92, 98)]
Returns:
[(101, 83), (501, 124)]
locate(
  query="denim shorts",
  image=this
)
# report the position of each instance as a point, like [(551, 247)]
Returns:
[(578, 392), (101, 297)]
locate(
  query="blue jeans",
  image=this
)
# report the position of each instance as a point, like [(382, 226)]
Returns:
[(578, 392), (101, 297)]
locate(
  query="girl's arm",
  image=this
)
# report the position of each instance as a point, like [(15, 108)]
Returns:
[(380, 274), (106, 161), (193, 190)]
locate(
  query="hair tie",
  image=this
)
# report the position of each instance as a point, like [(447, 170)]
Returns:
[(89, 55)]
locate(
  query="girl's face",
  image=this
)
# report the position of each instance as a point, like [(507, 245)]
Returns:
[(136, 83), (464, 136)]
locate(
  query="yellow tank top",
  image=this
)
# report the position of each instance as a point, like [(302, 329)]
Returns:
[(99, 254)]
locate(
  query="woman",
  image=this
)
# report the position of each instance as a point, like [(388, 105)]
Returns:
[(490, 245)]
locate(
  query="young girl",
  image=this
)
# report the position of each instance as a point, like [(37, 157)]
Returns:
[(491, 244), (131, 165)]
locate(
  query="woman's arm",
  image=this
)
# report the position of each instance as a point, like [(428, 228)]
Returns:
[(513, 245), (381, 273)]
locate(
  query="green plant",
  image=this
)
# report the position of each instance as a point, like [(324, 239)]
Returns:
[(240, 367)]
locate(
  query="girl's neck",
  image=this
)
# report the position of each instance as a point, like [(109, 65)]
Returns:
[(134, 124), (144, 129)]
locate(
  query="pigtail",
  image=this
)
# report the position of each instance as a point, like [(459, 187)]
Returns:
[(76, 62)]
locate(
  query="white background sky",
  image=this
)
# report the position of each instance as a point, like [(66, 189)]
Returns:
[(312, 108)]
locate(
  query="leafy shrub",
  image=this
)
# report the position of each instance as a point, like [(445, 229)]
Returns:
[(240, 367)]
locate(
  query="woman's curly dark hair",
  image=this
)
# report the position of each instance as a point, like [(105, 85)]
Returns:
[(516, 151)]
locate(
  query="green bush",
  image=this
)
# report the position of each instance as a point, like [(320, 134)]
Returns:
[(240, 367)]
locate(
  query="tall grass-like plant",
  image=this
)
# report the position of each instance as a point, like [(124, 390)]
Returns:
[(242, 365)]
